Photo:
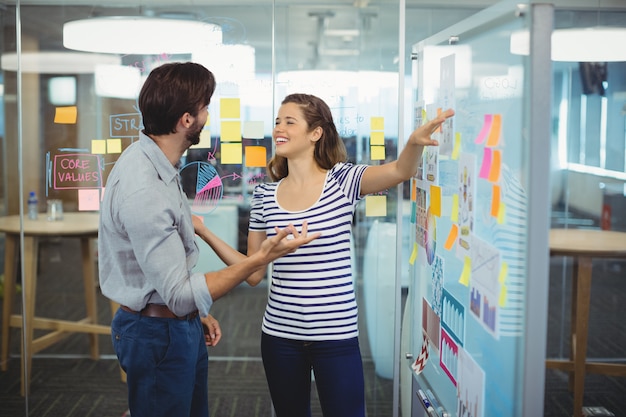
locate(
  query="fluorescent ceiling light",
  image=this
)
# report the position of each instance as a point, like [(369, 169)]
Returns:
[(56, 62), (140, 35), (596, 44)]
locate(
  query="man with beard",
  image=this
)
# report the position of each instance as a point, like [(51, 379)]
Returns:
[(147, 250)]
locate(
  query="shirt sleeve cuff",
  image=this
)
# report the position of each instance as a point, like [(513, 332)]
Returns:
[(201, 294)]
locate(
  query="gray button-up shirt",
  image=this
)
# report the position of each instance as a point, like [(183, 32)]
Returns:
[(146, 241)]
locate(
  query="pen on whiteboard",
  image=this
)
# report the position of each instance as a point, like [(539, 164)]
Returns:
[(427, 405)]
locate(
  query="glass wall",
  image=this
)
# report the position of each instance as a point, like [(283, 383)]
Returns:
[(69, 110)]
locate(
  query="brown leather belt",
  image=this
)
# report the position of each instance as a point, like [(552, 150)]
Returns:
[(160, 311)]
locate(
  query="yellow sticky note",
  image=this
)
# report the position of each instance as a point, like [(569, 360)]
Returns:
[(230, 132), (208, 121), (88, 199), (253, 130), (375, 205), (98, 146), (435, 200), (502, 298), (231, 153), (454, 216), (256, 156), (229, 108), (504, 271), (456, 149), (205, 140), (114, 145), (501, 213), (378, 153), (66, 115), (413, 254), (377, 123), (467, 272), (454, 233), (377, 138)]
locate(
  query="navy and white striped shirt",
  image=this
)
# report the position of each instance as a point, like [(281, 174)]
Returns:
[(312, 290)]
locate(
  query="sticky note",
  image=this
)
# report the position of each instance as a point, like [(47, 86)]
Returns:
[(454, 216), (230, 132), (231, 153), (208, 121), (253, 130), (482, 135), (256, 156), (504, 271), (502, 298), (454, 233), (485, 168), (377, 138), (456, 150), (501, 213), (98, 146), (494, 133), (88, 199), (205, 140), (66, 115), (435, 200), (377, 123), (495, 200), (114, 146), (467, 272), (229, 108), (496, 162), (377, 153), (413, 254), (375, 205)]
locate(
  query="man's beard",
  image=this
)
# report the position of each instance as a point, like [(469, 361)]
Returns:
[(193, 136)]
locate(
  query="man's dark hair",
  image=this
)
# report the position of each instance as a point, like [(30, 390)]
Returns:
[(172, 90)]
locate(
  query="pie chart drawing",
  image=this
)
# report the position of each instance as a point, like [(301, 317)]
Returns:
[(202, 184)]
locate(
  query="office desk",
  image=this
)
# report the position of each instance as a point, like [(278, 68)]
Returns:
[(83, 226), (583, 245)]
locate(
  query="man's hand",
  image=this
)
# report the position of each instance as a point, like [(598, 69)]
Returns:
[(212, 330), (285, 241)]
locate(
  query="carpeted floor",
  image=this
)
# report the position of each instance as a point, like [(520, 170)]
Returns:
[(65, 382)]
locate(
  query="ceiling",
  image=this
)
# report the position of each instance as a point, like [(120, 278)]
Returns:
[(309, 34)]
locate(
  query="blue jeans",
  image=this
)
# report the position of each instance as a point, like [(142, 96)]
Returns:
[(166, 365), (338, 371)]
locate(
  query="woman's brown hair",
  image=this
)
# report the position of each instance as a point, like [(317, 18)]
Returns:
[(329, 149)]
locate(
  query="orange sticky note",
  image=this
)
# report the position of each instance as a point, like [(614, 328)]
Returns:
[(495, 200), (494, 133), (230, 132), (496, 162), (231, 153), (229, 108), (378, 153), (375, 205), (66, 115), (435, 200), (454, 232), (256, 156)]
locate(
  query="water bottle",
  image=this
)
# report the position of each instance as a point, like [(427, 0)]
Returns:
[(33, 207)]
